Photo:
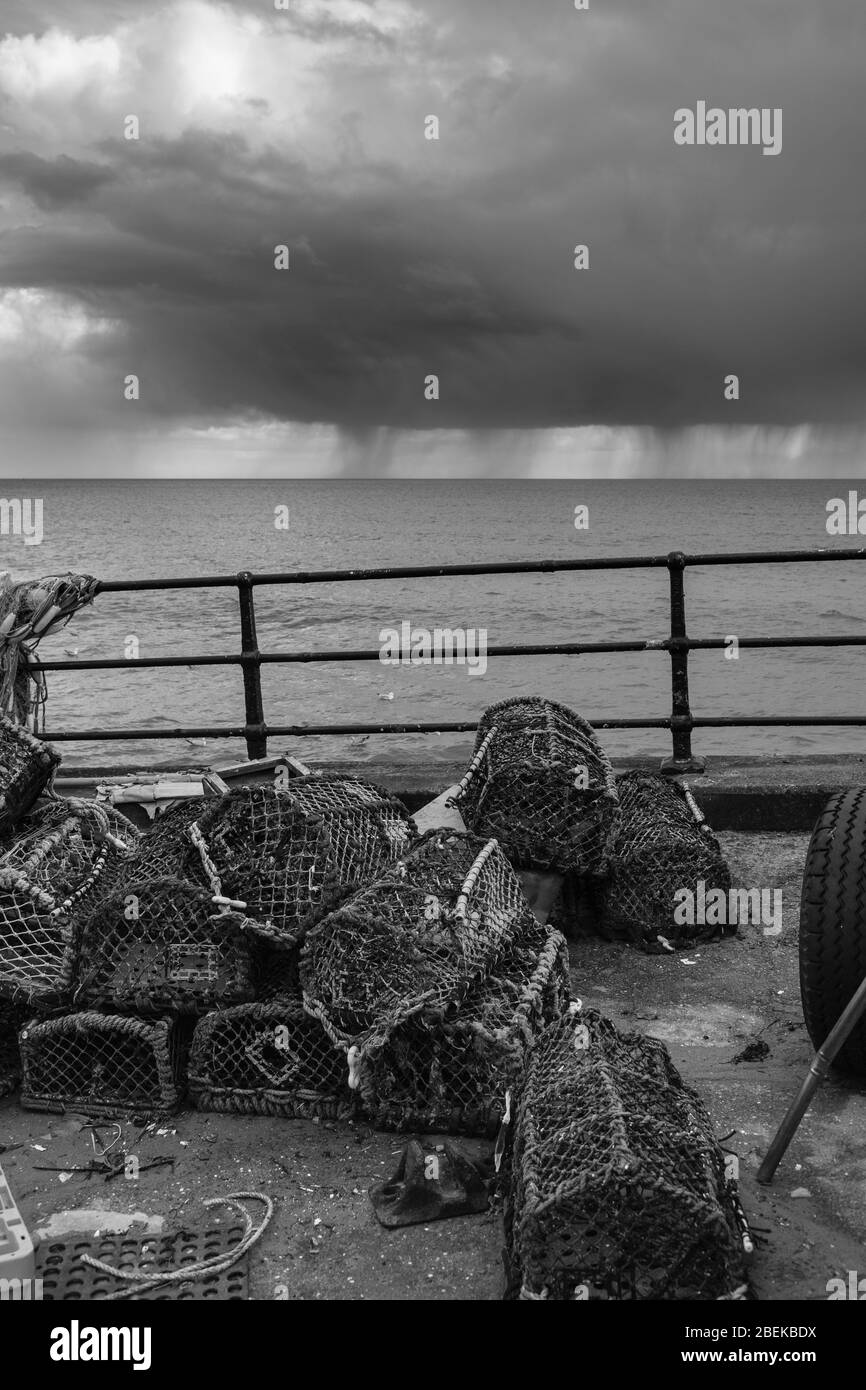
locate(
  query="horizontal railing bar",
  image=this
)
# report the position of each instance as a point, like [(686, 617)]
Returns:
[(517, 649), (309, 730), (489, 567)]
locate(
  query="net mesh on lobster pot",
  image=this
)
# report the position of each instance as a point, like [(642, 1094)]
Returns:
[(417, 939), (291, 855), (102, 1065), (165, 849), (27, 764), (268, 1059), (617, 1186), (450, 1071), (65, 857), (163, 944), (669, 882), (543, 786)]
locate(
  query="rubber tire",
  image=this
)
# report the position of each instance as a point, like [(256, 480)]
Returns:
[(833, 923)]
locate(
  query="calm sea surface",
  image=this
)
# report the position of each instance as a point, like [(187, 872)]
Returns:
[(141, 530)]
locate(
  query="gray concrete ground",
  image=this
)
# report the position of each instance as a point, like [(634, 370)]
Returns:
[(325, 1242)]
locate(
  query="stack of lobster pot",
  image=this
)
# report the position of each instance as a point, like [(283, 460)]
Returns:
[(205, 919), (57, 859), (431, 983), (635, 857)]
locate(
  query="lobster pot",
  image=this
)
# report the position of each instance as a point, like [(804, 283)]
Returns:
[(417, 939), (27, 764), (617, 1186), (450, 1074), (102, 1065), (268, 1059), (290, 856), (664, 862), (543, 786), (377, 828), (165, 849), (10, 1057), (164, 944), (50, 876)]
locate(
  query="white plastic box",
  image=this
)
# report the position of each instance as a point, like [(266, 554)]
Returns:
[(17, 1258)]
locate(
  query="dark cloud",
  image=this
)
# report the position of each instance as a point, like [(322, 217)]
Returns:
[(411, 257), (53, 183)]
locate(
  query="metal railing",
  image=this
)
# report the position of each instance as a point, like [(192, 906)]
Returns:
[(678, 645)]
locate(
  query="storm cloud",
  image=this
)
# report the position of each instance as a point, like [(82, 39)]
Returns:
[(412, 257)]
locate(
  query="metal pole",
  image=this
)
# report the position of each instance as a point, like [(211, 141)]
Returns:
[(821, 1063), (681, 714), (257, 741)]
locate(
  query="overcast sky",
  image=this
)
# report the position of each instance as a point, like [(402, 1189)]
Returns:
[(411, 257)]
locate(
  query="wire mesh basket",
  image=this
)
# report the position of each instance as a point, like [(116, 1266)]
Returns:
[(291, 855), (27, 764), (451, 1072), (618, 1188), (268, 1058), (417, 939), (542, 784), (66, 855), (102, 1065), (163, 944), (665, 860)]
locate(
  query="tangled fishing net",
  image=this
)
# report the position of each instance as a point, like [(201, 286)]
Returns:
[(66, 854), (291, 855), (618, 1188), (268, 1058), (450, 1071), (419, 938), (664, 862), (28, 612), (102, 1065), (543, 786), (162, 943)]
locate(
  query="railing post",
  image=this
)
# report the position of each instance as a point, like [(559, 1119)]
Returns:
[(681, 714), (257, 742)]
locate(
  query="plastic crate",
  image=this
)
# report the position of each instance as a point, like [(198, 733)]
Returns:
[(17, 1256)]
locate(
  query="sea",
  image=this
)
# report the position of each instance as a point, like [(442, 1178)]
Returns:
[(137, 529)]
